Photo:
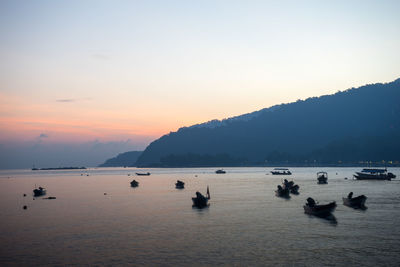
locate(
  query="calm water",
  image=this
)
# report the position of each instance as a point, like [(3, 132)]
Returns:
[(155, 223)]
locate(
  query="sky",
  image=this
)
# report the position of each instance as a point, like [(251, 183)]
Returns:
[(81, 81)]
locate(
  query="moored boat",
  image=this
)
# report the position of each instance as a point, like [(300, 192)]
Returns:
[(201, 201), (354, 202), (37, 192), (220, 171), (282, 192), (179, 184), (374, 174), (143, 173), (293, 188), (322, 177), (281, 171), (134, 183), (312, 208)]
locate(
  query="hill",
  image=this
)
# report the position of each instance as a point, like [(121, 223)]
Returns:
[(353, 125), (123, 159)]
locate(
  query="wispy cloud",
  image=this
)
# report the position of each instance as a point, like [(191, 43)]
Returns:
[(43, 135), (66, 100)]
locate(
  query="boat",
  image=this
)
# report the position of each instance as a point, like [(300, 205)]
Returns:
[(312, 208), (354, 202), (143, 173), (293, 188), (322, 177), (281, 171), (37, 192), (179, 185), (201, 201), (134, 183), (374, 174), (282, 192), (220, 171)]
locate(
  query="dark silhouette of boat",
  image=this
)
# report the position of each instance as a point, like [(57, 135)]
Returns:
[(201, 201), (220, 171), (312, 208), (322, 177), (143, 173), (282, 192), (374, 174), (37, 192), (293, 188), (179, 185), (281, 171), (355, 202), (134, 183)]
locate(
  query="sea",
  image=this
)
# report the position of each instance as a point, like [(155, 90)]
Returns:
[(97, 219)]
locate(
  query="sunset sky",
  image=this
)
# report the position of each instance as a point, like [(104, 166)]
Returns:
[(127, 72)]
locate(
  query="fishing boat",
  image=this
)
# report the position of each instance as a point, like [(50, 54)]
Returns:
[(312, 208), (281, 171), (354, 202), (220, 171), (374, 174), (143, 173), (293, 188), (134, 183), (201, 201), (282, 192), (180, 185), (322, 177), (37, 192)]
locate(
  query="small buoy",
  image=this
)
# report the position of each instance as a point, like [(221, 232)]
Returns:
[(24, 195), (25, 207)]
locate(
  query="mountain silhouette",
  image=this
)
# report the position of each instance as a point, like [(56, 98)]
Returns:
[(122, 160), (349, 126)]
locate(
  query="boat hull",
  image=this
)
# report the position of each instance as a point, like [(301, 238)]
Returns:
[(355, 202), (200, 202), (320, 210), (367, 176)]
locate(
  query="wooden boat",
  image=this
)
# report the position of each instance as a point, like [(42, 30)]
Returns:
[(201, 201), (322, 177), (354, 202), (282, 192), (312, 208), (374, 174), (293, 188), (220, 171), (143, 173), (37, 192), (134, 183), (281, 171), (180, 185)]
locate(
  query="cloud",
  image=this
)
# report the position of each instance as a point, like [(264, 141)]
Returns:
[(66, 100), (43, 135)]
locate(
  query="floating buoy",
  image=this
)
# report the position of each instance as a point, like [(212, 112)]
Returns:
[(24, 195), (25, 207)]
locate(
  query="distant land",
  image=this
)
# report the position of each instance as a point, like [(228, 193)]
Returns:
[(127, 159), (358, 126), (59, 168)]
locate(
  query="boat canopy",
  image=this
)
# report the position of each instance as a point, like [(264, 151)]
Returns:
[(374, 170), (321, 173)]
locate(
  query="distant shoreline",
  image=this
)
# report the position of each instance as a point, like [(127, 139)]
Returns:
[(59, 168)]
